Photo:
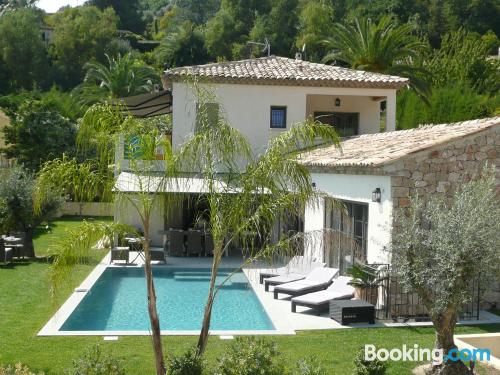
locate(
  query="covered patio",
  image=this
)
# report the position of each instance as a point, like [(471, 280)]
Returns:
[(180, 217)]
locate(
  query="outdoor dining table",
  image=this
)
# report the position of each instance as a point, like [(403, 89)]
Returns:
[(184, 233)]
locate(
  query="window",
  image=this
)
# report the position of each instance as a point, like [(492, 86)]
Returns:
[(207, 114), (278, 117), (346, 124), (351, 222)]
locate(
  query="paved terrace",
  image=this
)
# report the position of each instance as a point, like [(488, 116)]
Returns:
[(279, 311)]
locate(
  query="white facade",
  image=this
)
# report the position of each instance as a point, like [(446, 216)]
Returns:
[(354, 188), (126, 213), (247, 108)]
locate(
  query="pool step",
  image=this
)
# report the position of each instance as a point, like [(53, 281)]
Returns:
[(191, 278), (201, 273)]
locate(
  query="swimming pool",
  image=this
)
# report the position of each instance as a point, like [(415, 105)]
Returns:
[(118, 302)]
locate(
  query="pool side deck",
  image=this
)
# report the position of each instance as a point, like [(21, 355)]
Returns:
[(279, 311)]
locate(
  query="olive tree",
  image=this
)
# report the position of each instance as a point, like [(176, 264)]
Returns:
[(17, 210), (440, 246)]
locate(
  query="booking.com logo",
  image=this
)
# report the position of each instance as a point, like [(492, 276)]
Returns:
[(418, 354)]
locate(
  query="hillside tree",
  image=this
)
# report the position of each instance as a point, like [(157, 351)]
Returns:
[(22, 49), (81, 34)]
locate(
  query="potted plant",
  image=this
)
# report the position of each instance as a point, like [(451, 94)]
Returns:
[(365, 282)]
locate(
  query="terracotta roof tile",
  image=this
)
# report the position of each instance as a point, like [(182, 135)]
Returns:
[(373, 150), (284, 71)]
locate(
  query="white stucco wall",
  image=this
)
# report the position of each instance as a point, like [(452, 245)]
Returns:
[(368, 109), (125, 213), (247, 108), (355, 188)]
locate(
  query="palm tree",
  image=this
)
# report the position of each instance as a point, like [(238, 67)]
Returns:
[(123, 77), (383, 47), (100, 129), (269, 186)]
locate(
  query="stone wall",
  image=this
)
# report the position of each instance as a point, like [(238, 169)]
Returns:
[(442, 169)]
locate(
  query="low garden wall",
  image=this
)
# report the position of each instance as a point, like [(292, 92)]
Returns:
[(86, 209)]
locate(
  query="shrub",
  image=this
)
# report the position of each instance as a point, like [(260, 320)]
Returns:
[(188, 363), (18, 369), (308, 367), (451, 103), (250, 356), (364, 367), (95, 362)]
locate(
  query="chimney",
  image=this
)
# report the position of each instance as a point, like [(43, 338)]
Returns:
[(298, 56)]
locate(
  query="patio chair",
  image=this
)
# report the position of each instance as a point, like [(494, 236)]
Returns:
[(340, 289), (294, 263), (19, 248), (318, 279), (209, 244), (158, 254), (176, 243), (194, 243), (297, 273), (120, 253), (6, 253)]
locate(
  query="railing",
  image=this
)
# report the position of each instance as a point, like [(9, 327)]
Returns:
[(391, 300)]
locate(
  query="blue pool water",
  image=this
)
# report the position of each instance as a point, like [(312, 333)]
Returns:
[(118, 302)]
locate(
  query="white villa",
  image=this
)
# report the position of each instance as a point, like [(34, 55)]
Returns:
[(376, 170)]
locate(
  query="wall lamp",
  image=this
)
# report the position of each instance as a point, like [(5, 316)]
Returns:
[(377, 195)]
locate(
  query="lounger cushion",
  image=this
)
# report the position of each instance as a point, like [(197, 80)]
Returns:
[(322, 274), (341, 285), (284, 278), (298, 285), (305, 266), (317, 277), (321, 297)]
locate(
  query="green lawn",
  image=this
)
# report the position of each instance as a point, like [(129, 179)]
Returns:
[(43, 238), (26, 305)]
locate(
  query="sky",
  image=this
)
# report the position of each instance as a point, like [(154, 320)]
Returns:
[(52, 6)]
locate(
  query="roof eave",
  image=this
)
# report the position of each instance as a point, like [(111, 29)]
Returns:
[(167, 77)]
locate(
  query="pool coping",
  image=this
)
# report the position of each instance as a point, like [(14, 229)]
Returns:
[(52, 327), (461, 342), (278, 310)]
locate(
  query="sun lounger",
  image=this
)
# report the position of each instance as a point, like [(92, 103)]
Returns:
[(295, 274), (340, 289), (318, 279), (295, 262)]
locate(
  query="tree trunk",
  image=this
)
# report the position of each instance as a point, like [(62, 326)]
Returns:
[(29, 247), (444, 325), (153, 313), (205, 328)]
